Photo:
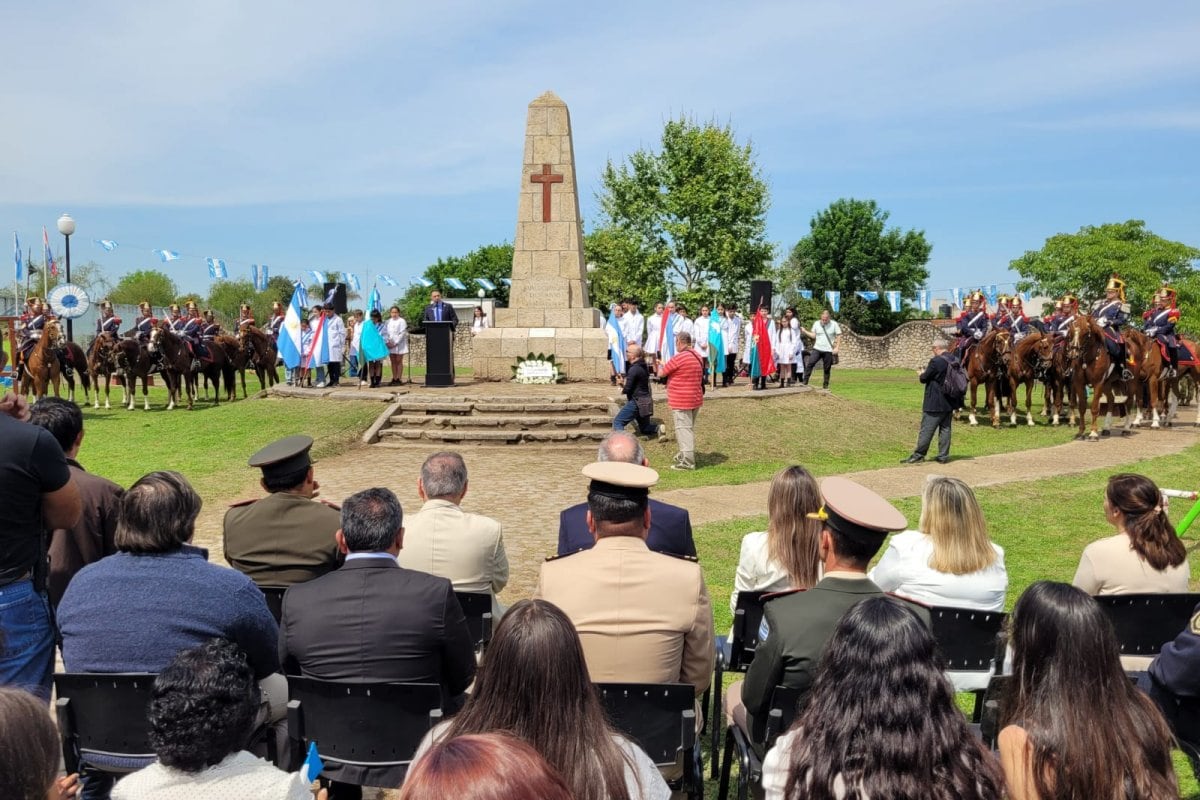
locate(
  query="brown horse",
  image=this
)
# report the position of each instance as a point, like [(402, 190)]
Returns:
[(259, 351), (177, 365), (41, 369), (1051, 371), (1180, 389), (134, 361), (1147, 365), (987, 364), (103, 364), (1023, 370), (1089, 368)]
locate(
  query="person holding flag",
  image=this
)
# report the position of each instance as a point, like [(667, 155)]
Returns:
[(373, 349), (653, 329), (716, 343), (759, 356), (614, 329)]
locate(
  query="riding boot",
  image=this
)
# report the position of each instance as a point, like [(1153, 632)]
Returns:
[(1173, 352), (66, 368), (1123, 365)]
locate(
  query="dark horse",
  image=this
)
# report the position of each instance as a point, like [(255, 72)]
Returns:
[(133, 362), (258, 350), (987, 364), (1088, 366), (103, 363), (177, 365), (1051, 371), (1023, 370)]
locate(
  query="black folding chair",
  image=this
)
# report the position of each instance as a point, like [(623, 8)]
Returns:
[(102, 717), (995, 697), (734, 654), (1145, 622), (274, 596), (661, 719), (366, 733), (779, 718), (970, 641), (477, 607)]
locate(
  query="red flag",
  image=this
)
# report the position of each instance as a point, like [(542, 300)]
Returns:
[(663, 327), (762, 345)]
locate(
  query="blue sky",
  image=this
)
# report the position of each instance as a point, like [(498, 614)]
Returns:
[(377, 136)]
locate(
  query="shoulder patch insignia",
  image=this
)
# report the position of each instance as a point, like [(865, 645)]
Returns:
[(334, 506), (776, 595), (557, 556), (1194, 626), (680, 556), (240, 503)]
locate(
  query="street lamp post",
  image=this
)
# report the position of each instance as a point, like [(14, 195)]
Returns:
[(66, 226)]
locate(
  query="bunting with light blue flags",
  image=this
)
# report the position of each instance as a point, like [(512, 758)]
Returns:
[(388, 280), (166, 255), (455, 283), (506, 281), (18, 262), (486, 285), (893, 300), (375, 302), (806, 294), (264, 273), (425, 282), (108, 244), (254, 276), (956, 296), (870, 297), (352, 281), (289, 333), (318, 276), (217, 269), (991, 293), (301, 293), (834, 299), (924, 300), (616, 340)]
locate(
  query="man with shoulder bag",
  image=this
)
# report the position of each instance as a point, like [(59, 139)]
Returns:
[(639, 406), (944, 381)]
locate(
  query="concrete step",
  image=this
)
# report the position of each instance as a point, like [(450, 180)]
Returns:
[(594, 407), (450, 435), (497, 421)]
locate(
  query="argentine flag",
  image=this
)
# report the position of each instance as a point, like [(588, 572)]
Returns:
[(893, 298), (924, 303), (318, 353), (166, 255), (806, 294), (425, 282), (108, 244), (616, 341), (666, 336), (716, 339), (217, 269), (18, 262), (834, 298), (318, 276), (352, 281), (870, 297), (263, 276), (388, 280), (289, 334), (455, 283), (486, 284)]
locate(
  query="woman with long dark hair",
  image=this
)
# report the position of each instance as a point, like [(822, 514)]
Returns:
[(1075, 727), (534, 684), (881, 720), (1145, 555)]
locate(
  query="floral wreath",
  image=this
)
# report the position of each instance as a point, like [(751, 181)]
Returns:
[(540, 360)]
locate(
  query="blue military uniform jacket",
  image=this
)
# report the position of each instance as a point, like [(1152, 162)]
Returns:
[(1173, 681), (670, 530)]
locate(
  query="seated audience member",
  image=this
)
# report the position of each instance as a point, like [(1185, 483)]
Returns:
[(136, 610), (670, 526), (643, 617), (92, 537), (29, 750), (855, 523), (1173, 682), (534, 685), (371, 620), (1145, 555), (201, 715), (1075, 726), (444, 540), (492, 766), (784, 556), (950, 561), (881, 719), (285, 537)]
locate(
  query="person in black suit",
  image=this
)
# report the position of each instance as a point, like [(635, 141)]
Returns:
[(437, 311), (670, 526), (371, 620), (937, 412)]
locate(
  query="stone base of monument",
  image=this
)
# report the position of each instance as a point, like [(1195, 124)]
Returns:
[(581, 353)]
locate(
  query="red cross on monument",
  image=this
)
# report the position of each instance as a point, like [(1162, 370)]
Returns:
[(545, 179)]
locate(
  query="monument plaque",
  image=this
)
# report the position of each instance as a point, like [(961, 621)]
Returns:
[(548, 307)]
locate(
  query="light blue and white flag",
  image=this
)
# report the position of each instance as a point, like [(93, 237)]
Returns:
[(1025, 296), (990, 293), (956, 296), (506, 281), (351, 281), (107, 244), (616, 340), (834, 299), (924, 301), (264, 273), (670, 322), (318, 352), (217, 269), (375, 302), (318, 276), (301, 293), (425, 282), (806, 294), (870, 297), (166, 255), (893, 299), (455, 283), (289, 334), (487, 285), (18, 262), (388, 280), (312, 766), (254, 276)]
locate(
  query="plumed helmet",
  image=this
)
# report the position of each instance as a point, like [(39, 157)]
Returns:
[(1070, 300), (1115, 284), (175, 308), (277, 304), (145, 304), (32, 300), (1058, 304), (191, 304), (1168, 294), (105, 305), (1015, 300), (245, 306)]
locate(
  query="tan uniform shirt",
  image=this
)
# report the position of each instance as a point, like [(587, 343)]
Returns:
[(282, 539), (643, 617), (1112, 566), (468, 549)]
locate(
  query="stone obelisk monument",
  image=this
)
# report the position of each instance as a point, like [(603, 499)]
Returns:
[(548, 310)]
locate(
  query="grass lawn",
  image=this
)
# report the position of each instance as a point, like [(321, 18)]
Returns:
[(870, 420), (1042, 525)]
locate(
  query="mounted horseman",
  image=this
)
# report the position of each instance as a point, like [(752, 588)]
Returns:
[(1160, 322), (245, 318), (108, 326), (1112, 314), (1021, 324), (972, 324)]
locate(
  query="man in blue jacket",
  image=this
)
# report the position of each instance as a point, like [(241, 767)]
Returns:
[(936, 410)]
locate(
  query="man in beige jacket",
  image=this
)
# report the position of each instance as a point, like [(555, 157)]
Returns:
[(444, 540), (643, 617)]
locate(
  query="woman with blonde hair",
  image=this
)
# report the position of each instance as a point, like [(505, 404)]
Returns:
[(950, 561), (784, 556)]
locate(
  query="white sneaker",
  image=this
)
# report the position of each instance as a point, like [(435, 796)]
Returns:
[(320, 384)]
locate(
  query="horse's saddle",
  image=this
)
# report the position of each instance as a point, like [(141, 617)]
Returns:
[(1187, 356)]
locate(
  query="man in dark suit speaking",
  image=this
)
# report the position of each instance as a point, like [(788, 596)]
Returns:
[(437, 311), (670, 526)]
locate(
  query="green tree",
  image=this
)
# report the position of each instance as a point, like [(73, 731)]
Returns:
[(225, 298), (279, 288), (619, 267), (849, 249), (144, 285), (490, 261), (1081, 263), (696, 209)]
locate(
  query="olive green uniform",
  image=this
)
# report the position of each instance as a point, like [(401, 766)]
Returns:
[(282, 539)]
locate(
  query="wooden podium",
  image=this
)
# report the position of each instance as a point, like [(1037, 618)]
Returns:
[(439, 353)]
